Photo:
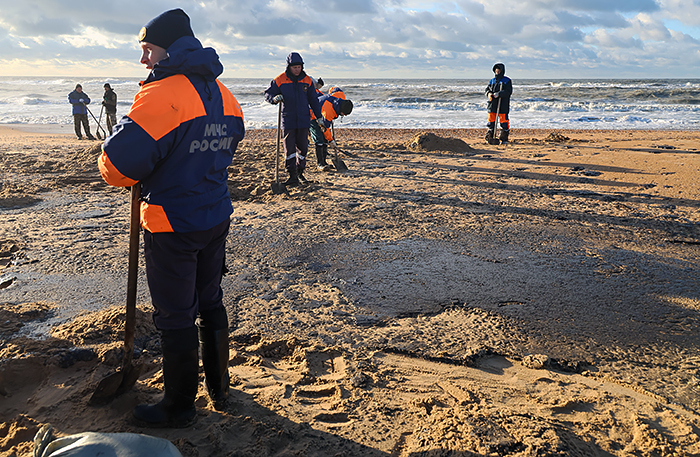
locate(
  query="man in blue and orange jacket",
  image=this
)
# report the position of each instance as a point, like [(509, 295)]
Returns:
[(176, 142), (333, 104), (296, 91)]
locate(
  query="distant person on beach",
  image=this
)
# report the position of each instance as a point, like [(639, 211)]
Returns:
[(176, 142), (79, 100), (332, 105), (297, 93), (499, 90), (109, 101)]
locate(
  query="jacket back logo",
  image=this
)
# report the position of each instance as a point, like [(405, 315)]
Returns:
[(216, 144)]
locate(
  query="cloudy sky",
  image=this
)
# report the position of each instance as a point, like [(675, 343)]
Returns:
[(367, 38)]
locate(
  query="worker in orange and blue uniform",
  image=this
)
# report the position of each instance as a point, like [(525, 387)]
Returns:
[(176, 142), (333, 104), (498, 91), (296, 91)]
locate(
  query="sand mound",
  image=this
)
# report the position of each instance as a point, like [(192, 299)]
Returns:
[(86, 159), (557, 138), (428, 142), (103, 326)]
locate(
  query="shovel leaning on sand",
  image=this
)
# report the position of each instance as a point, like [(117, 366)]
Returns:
[(124, 379)]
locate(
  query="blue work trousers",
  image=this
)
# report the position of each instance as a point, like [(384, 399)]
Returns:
[(184, 273)]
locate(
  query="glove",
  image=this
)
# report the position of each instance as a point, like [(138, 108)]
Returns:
[(277, 99), (495, 95), (321, 124), (82, 100)]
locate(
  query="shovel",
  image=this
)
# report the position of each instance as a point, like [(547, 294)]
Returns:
[(278, 188), (495, 140), (99, 120), (124, 379), (97, 132), (337, 163)]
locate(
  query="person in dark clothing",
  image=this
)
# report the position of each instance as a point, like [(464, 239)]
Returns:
[(79, 100), (177, 142), (499, 90), (332, 105), (297, 93), (109, 101)]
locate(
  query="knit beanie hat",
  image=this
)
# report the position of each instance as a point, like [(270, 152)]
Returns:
[(294, 58), (167, 28), (345, 107)]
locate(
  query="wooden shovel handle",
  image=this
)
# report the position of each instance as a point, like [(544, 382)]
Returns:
[(134, 234), (279, 136)]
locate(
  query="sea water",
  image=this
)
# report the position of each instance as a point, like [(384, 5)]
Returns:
[(661, 104)]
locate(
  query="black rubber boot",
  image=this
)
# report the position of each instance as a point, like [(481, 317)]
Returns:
[(213, 341), (321, 150), (293, 179), (180, 375), (504, 135), (489, 134), (325, 156), (300, 176)]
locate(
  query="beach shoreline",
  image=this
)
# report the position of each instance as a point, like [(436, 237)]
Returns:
[(467, 132), (443, 295)]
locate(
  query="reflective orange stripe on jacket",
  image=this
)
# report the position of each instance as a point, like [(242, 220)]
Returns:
[(231, 105), (154, 219), (110, 174), (166, 115)]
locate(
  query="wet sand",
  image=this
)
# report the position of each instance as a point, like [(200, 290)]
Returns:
[(441, 297)]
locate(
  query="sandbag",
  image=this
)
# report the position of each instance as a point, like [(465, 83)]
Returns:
[(90, 444)]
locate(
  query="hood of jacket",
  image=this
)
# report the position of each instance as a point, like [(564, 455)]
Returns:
[(186, 56), (503, 70), (294, 58)]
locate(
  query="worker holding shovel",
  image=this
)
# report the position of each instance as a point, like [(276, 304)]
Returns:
[(498, 91), (297, 93), (109, 102), (80, 100), (332, 106), (176, 142)]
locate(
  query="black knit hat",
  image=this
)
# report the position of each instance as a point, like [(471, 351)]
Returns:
[(345, 107), (167, 28)]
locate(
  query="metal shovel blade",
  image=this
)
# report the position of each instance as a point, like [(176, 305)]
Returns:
[(494, 141), (115, 384), (339, 165), (124, 379), (278, 188)]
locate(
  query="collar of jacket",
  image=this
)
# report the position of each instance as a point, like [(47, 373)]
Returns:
[(186, 56)]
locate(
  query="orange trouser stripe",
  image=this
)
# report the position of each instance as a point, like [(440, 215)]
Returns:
[(502, 116)]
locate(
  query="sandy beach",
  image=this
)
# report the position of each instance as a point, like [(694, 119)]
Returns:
[(442, 297)]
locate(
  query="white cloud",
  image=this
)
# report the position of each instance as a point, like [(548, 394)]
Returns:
[(396, 38)]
